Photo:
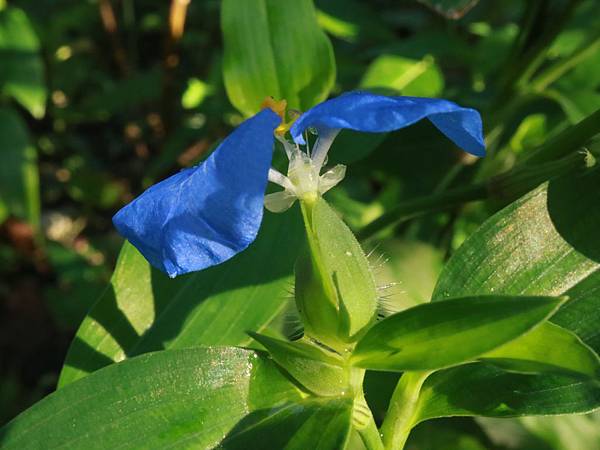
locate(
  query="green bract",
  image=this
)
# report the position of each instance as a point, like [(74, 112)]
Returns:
[(335, 291)]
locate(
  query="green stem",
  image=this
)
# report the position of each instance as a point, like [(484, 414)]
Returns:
[(496, 126), (422, 205), (558, 69), (402, 412), (514, 63), (369, 433), (564, 143), (501, 188), (530, 61), (362, 417)]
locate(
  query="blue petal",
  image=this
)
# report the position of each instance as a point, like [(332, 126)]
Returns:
[(362, 111), (204, 215)]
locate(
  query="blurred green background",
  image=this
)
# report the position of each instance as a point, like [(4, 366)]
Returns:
[(99, 99)]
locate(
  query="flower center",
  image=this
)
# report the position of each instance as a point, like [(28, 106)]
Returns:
[(304, 180), (304, 176)]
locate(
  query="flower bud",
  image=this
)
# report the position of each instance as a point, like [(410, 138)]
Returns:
[(335, 291)]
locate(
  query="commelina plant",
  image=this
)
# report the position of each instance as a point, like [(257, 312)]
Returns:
[(205, 215), (466, 355)]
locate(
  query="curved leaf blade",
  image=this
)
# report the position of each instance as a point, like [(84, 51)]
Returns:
[(545, 243), (480, 389), (442, 334), (143, 310), (321, 372), (274, 48), (22, 68), (547, 348), (168, 398)]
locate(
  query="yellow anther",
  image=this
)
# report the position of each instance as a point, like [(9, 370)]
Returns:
[(279, 107)]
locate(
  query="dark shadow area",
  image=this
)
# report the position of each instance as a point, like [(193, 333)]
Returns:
[(272, 428), (480, 389), (88, 358), (269, 258), (574, 208), (379, 387)]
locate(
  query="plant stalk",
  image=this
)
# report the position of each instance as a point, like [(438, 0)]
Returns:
[(364, 423), (564, 143), (558, 69), (401, 414), (502, 188), (417, 207), (530, 60)]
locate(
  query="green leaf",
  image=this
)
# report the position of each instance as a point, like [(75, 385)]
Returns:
[(480, 389), (19, 181), (547, 348), (421, 78), (545, 243), (272, 48), (530, 133), (347, 266), (318, 424), (316, 369), (436, 335), (170, 398), (144, 310), (195, 93), (22, 69)]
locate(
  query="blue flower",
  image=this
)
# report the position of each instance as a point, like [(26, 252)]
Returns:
[(205, 215)]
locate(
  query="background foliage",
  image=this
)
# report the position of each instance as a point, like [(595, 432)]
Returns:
[(100, 99)]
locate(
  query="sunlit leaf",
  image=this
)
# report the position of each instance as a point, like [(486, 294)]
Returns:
[(406, 76), (195, 93), (480, 389), (546, 243), (547, 348), (318, 370), (440, 334), (196, 398), (543, 244), (277, 49), (21, 70), (143, 310), (413, 268)]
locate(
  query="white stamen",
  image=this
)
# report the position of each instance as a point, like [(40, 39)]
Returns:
[(278, 178), (307, 143), (326, 138), (287, 146), (303, 180), (331, 178)]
